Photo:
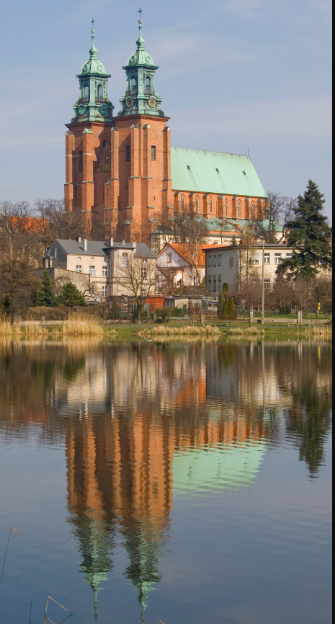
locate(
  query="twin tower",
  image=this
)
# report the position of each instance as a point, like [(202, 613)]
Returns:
[(118, 168)]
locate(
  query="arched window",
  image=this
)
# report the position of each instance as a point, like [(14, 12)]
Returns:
[(182, 202), (196, 201), (226, 204), (210, 201), (239, 208), (100, 92), (86, 93), (133, 83), (252, 209), (147, 83)]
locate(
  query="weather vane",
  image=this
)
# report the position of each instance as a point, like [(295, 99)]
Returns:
[(140, 12), (93, 20)]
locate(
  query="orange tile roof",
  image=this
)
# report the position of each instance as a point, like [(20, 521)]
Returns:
[(186, 251)]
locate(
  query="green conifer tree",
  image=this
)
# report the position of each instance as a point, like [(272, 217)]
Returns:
[(225, 313), (231, 310), (45, 296), (309, 235), (70, 296), (220, 305)]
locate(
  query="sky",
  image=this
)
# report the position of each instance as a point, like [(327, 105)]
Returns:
[(233, 74)]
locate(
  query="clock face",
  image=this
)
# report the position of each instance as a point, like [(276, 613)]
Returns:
[(81, 110), (129, 102), (152, 102), (103, 109)]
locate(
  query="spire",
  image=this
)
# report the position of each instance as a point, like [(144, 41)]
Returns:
[(93, 51), (140, 41)]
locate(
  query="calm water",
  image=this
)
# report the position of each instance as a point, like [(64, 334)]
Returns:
[(184, 482)]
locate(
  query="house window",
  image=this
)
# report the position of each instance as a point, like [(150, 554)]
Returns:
[(153, 152), (92, 270), (277, 258), (128, 153), (144, 272), (182, 202), (266, 258), (226, 204), (197, 204), (267, 283), (210, 201), (124, 259), (169, 258), (214, 283), (219, 282), (79, 268), (214, 261), (86, 93), (79, 259), (209, 261), (219, 260), (81, 162), (104, 291), (209, 283), (288, 255), (104, 271), (100, 93), (239, 208)]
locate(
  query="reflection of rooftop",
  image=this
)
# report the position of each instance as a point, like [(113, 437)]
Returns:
[(203, 470)]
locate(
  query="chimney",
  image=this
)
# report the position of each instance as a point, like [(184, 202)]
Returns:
[(109, 241), (85, 244), (78, 239), (123, 242)]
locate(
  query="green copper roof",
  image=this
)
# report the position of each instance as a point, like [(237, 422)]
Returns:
[(93, 66), (214, 172), (140, 57)]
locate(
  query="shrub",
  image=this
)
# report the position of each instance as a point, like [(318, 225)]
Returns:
[(71, 296)]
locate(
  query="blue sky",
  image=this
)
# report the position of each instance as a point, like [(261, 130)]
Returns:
[(233, 75)]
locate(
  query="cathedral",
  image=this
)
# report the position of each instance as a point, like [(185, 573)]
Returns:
[(123, 169)]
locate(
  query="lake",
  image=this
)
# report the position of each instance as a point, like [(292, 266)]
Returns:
[(183, 481)]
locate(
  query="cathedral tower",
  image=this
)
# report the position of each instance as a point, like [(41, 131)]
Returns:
[(88, 158)]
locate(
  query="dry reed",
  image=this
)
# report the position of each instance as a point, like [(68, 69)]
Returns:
[(5, 328), (82, 326), (185, 331)]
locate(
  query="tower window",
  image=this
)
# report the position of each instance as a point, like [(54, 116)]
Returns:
[(252, 208), (81, 163), (239, 208), (153, 152), (210, 205), (100, 92), (128, 153), (147, 83), (133, 83), (86, 93), (226, 202), (197, 204), (182, 202)]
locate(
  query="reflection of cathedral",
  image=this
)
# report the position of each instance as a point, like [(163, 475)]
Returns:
[(145, 424), (156, 437)]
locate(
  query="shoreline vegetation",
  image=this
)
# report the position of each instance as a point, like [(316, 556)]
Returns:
[(87, 326)]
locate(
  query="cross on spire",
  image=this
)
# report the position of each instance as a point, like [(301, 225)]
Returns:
[(93, 21), (140, 12)]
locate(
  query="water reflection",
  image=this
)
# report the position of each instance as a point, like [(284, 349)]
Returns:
[(142, 424)]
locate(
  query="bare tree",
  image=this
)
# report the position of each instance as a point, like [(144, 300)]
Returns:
[(20, 233), (249, 293), (282, 294), (302, 293), (57, 223), (280, 211), (18, 283), (136, 277)]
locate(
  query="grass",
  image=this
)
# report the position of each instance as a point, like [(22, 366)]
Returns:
[(82, 326)]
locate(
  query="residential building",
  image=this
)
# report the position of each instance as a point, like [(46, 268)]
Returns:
[(99, 268), (126, 165), (183, 262), (235, 263)]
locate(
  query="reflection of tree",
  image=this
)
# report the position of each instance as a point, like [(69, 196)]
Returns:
[(309, 422)]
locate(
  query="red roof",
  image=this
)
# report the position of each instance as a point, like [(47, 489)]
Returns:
[(188, 251)]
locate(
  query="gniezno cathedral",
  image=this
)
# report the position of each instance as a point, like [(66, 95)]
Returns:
[(123, 169)]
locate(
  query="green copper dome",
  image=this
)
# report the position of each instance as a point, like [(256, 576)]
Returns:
[(93, 66), (140, 57)]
